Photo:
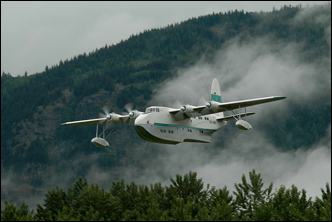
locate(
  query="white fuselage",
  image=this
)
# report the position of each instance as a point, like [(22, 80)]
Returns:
[(160, 126)]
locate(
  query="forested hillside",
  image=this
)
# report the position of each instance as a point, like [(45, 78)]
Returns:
[(37, 153), (185, 199)]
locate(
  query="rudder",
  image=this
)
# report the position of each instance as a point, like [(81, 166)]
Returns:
[(216, 94)]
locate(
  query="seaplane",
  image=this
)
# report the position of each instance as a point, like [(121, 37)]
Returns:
[(185, 123)]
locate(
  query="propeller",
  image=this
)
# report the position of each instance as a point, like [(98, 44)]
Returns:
[(106, 109), (201, 102), (132, 114), (177, 104), (129, 107)]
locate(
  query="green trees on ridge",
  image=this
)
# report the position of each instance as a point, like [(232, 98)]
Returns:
[(185, 198)]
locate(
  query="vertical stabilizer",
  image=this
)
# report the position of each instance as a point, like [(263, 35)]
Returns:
[(215, 93)]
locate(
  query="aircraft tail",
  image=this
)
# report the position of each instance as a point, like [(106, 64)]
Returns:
[(215, 94)]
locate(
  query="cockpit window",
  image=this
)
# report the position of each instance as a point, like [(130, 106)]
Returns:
[(150, 110)]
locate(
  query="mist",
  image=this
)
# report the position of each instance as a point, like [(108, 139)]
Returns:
[(255, 68)]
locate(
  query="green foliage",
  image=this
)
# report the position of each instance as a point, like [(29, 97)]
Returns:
[(11, 213), (291, 204), (184, 199), (186, 187), (250, 195)]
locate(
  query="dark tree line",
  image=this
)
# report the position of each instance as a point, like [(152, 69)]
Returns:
[(185, 198)]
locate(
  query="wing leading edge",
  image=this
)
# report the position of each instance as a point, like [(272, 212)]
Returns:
[(222, 107), (85, 122), (249, 102), (123, 118), (196, 109)]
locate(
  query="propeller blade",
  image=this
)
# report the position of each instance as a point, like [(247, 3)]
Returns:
[(125, 119), (177, 104), (202, 101), (106, 109), (129, 107), (101, 115), (205, 111)]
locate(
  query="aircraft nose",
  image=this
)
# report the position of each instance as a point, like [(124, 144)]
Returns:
[(139, 120)]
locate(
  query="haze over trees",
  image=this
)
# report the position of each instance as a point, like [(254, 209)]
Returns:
[(35, 146)]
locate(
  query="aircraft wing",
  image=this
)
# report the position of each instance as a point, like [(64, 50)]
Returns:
[(195, 108), (174, 111), (124, 118), (199, 108), (86, 122), (249, 102)]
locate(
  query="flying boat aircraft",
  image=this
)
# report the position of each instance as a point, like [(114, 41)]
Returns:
[(186, 123)]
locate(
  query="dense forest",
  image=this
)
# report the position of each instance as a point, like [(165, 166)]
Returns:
[(185, 199), (34, 145)]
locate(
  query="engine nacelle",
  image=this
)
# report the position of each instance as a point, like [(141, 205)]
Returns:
[(187, 109), (113, 117), (212, 105), (134, 114), (100, 142), (243, 125)]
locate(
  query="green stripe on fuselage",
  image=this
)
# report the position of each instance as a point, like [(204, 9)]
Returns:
[(181, 126), (216, 98)]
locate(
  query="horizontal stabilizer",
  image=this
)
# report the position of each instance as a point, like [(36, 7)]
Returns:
[(232, 117)]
